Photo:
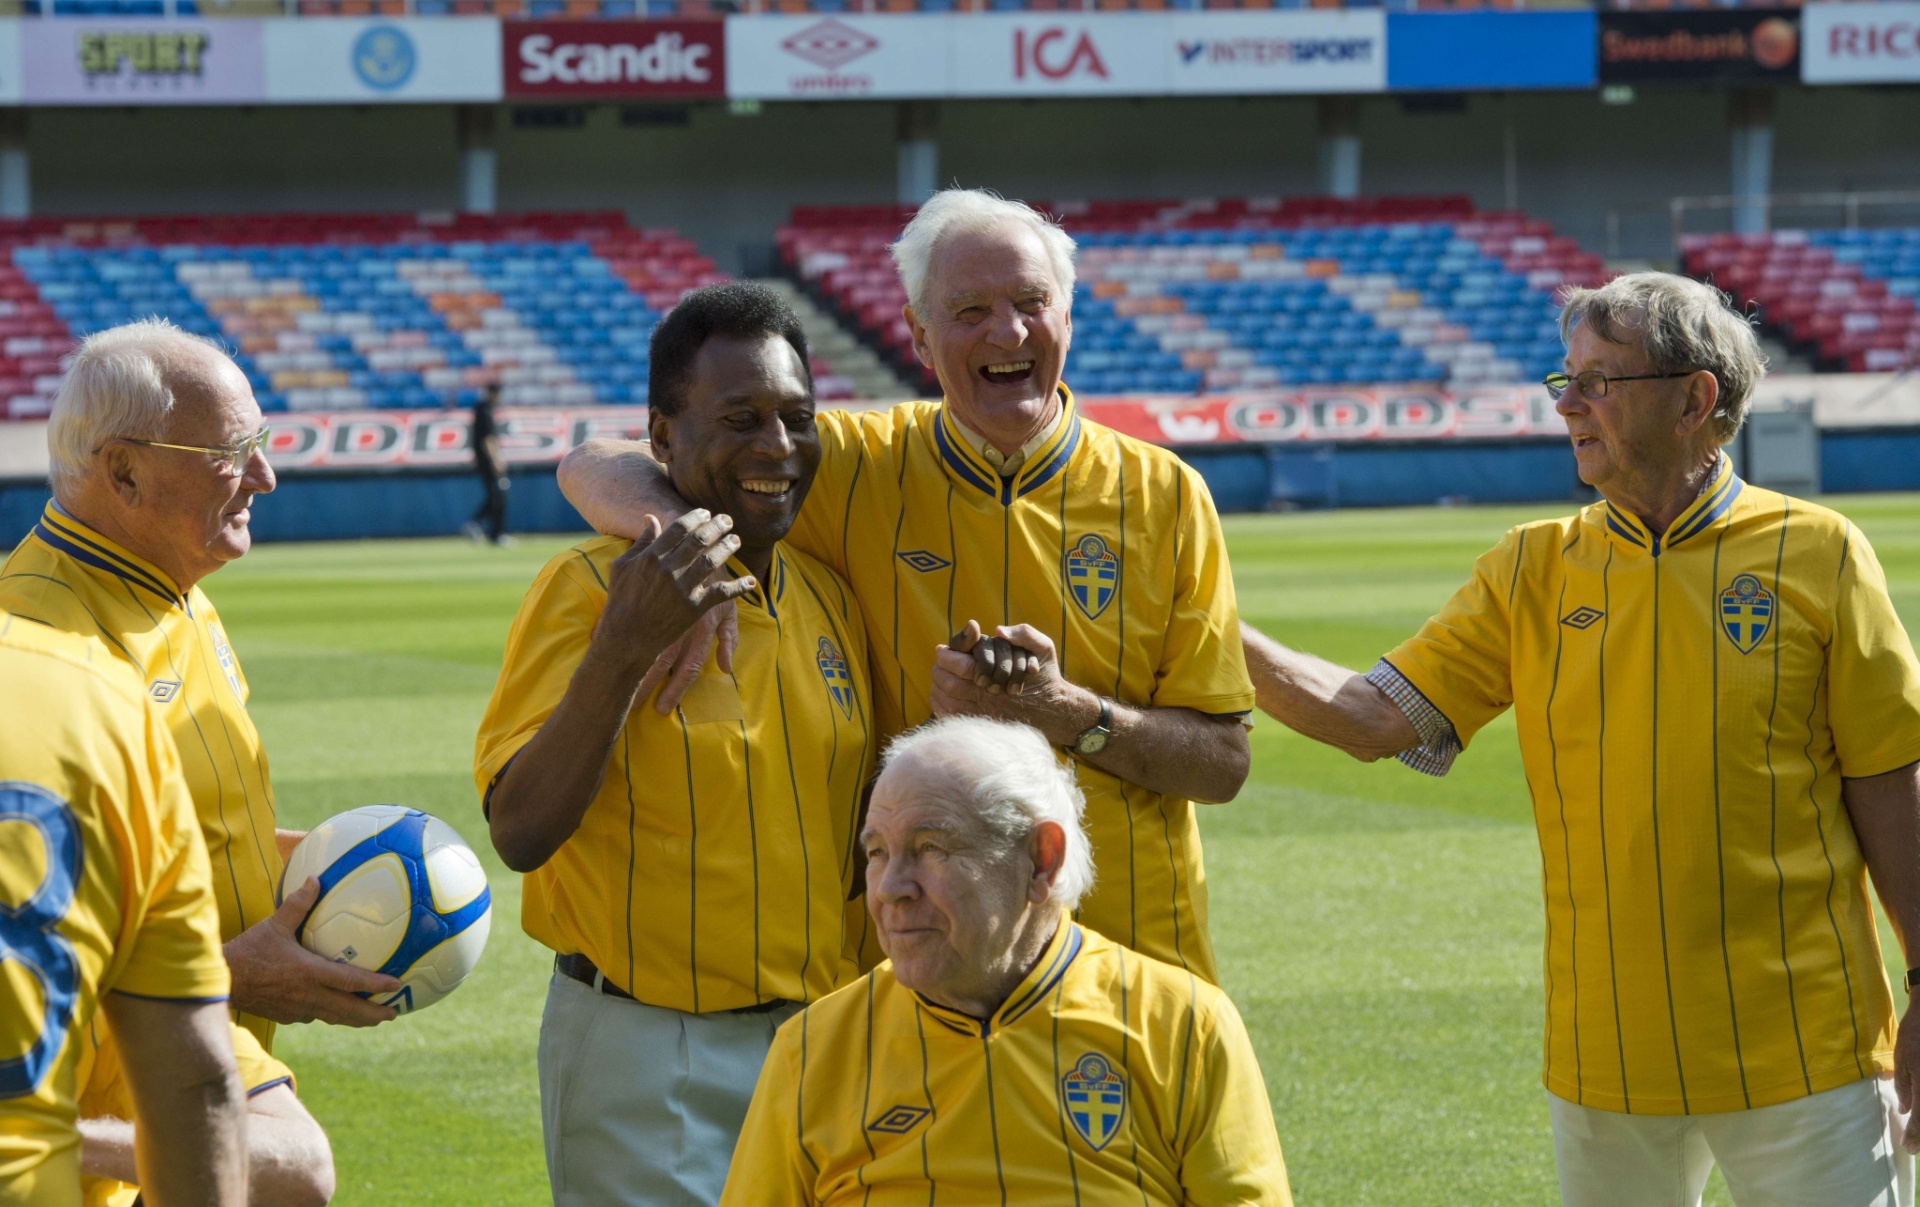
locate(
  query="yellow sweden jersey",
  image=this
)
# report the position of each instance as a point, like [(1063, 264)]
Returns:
[(711, 870), (1108, 545), (105, 876), (1105, 1078), (69, 576), (1686, 712), (104, 1093)]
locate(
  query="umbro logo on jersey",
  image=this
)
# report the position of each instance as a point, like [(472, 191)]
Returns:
[(924, 561), (163, 690), (1581, 618), (1095, 1095), (899, 1120)]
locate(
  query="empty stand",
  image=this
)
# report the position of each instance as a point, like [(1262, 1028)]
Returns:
[(346, 311), (1847, 297), (1216, 295)]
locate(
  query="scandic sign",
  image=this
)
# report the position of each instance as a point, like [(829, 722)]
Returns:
[(614, 59), (1861, 44)]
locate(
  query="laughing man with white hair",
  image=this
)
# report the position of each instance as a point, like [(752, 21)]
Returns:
[(1004, 1052), (1015, 559)]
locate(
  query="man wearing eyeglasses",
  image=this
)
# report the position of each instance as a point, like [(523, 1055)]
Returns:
[(1719, 715), (157, 451)]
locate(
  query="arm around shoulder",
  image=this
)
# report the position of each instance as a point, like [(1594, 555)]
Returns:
[(616, 484)]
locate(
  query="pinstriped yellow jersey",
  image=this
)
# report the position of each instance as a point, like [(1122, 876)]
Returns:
[(1105, 1078), (70, 577), (104, 1093), (1687, 706), (106, 881), (711, 870), (1108, 545)]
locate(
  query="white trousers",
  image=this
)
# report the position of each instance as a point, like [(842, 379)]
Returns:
[(1839, 1148), (640, 1106)]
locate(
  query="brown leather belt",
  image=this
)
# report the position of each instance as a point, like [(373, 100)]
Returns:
[(581, 969)]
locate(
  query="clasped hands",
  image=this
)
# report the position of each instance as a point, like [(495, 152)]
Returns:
[(1012, 674)]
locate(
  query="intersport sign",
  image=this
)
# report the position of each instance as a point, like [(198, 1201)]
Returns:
[(1860, 43), (1055, 54), (614, 59)]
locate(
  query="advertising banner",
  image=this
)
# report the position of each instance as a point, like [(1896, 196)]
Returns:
[(1861, 43), (1334, 414), (1729, 46), (1256, 53), (654, 60), (110, 61), (823, 58), (348, 440), (1456, 52), (1058, 54), (396, 60)]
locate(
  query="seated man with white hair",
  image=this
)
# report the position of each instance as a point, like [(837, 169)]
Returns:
[(999, 540), (1004, 1053)]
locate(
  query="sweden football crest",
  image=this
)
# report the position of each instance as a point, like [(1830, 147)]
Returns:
[(1093, 574), (1746, 612), (1095, 1097), (833, 668)]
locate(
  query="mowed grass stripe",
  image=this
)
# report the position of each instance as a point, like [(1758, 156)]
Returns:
[(1380, 930)]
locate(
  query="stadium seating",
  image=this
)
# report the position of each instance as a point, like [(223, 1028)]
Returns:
[(346, 311), (1846, 297), (1214, 295)]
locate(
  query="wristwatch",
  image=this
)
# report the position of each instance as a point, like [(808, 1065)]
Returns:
[(1913, 974), (1093, 739)]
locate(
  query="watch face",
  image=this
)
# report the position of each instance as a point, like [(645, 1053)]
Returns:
[(1092, 743)]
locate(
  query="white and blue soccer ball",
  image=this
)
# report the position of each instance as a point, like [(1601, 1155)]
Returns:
[(400, 894)]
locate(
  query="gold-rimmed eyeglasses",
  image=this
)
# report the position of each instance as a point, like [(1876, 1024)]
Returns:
[(237, 456), (1594, 384)]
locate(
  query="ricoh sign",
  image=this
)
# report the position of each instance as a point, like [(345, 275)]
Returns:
[(1861, 44), (1055, 54), (614, 59)]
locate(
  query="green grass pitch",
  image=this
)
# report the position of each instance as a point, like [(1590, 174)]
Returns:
[(1380, 931)]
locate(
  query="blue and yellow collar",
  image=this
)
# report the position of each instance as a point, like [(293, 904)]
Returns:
[(965, 463), (768, 594), (1624, 528), (1030, 992), (62, 532)]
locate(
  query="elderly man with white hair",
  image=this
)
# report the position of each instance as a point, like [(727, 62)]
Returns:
[(157, 452), (1719, 714), (1015, 559), (1003, 1053)]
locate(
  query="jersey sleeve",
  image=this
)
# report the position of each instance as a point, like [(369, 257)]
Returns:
[(820, 529), (259, 1071), (1874, 701), (770, 1168), (174, 945), (1461, 661), (549, 637), (1202, 666), (1231, 1153)]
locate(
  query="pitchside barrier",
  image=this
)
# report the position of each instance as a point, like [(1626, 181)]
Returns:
[(409, 473)]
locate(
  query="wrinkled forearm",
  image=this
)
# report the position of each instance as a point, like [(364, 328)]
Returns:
[(190, 1147), (1885, 812), (1323, 701), (1177, 752), (616, 484)]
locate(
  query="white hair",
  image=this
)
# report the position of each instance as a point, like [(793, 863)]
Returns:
[(115, 387), (974, 210), (1009, 777)]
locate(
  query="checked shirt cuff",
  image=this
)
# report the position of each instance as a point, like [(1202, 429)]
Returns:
[(1439, 744)]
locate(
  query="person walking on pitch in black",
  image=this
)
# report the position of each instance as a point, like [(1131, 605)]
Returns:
[(492, 469)]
